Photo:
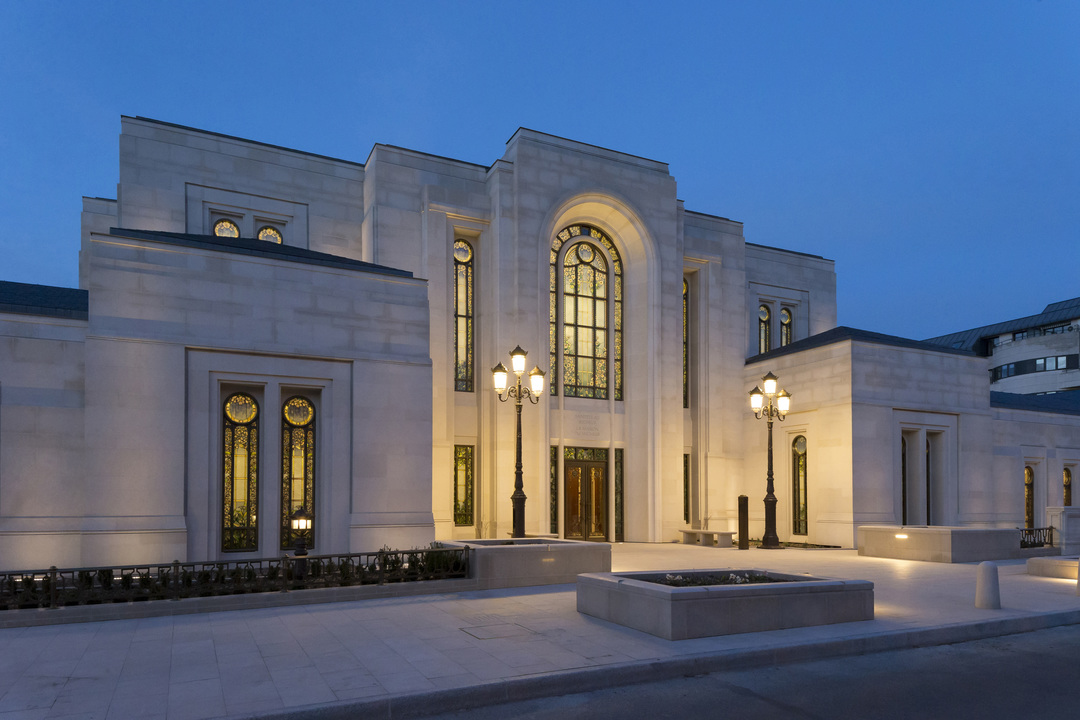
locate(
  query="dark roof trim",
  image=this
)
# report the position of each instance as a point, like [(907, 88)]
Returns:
[(246, 140), (259, 248), (1062, 403), (839, 334), (790, 252), (46, 300)]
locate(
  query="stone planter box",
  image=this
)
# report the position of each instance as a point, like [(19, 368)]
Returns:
[(523, 562), (944, 544), (679, 613)]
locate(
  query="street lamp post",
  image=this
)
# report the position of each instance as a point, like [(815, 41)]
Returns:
[(301, 525), (532, 392), (772, 402)]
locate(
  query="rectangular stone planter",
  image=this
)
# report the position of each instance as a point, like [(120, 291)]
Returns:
[(679, 613), (523, 562), (941, 543)]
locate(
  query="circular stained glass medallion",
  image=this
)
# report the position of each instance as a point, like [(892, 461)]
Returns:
[(226, 228), (763, 313), (299, 411), (785, 316), (462, 251), (270, 234), (800, 444), (241, 408), (585, 253)]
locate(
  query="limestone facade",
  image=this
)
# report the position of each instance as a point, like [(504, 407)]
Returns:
[(113, 425)]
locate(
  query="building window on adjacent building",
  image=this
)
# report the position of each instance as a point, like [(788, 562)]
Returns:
[(685, 344), (463, 485), (798, 486), (785, 327), (1020, 335), (1029, 497), (297, 468), (269, 233), (240, 485), (1050, 363), (586, 313), (226, 228), (764, 331), (686, 488), (463, 316), (1066, 481)]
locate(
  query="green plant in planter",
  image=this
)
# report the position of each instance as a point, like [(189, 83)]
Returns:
[(105, 578), (126, 580)]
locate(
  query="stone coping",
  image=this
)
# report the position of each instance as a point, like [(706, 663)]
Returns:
[(1056, 567), (680, 613)]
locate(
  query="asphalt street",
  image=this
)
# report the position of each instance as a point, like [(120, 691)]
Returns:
[(1031, 675)]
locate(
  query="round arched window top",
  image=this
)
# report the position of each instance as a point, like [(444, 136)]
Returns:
[(241, 408), (299, 411), (763, 313), (800, 445), (462, 251), (785, 316), (270, 234), (226, 228)]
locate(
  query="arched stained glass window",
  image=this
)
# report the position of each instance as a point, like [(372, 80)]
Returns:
[(798, 486), (463, 316), (785, 327), (1066, 480), (297, 468), (240, 481), (764, 331), (270, 233), (586, 313), (685, 344), (226, 228), (1029, 497)]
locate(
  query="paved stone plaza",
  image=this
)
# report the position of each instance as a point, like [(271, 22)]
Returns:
[(407, 656)]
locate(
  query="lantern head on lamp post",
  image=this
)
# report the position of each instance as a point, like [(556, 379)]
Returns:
[(301, 526), (772, 402), (533, 392)]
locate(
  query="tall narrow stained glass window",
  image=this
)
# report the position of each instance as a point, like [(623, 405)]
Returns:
[(463, 485), (798, 486), (764, 338), (1066, 481), (619, 489), (463, 316), (785, 327), (1029, 497), (554, 490), (685, 344), (585, 312), (686, 488), (297, 468), (240, 485)]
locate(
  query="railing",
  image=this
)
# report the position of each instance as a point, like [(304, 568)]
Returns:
[(55, 587), (1036, 537)]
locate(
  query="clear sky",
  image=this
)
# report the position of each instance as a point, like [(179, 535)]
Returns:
[(932, 149)]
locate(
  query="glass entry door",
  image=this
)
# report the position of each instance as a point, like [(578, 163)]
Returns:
[(586, 509)]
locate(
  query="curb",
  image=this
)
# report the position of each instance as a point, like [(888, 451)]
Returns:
[(567, 682)]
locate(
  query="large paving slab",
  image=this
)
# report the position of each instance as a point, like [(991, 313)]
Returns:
[(402, 656)]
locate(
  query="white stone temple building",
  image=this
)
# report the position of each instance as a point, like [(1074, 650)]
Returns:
[(260, 330)]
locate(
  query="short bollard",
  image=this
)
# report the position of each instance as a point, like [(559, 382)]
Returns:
[(987, 592)]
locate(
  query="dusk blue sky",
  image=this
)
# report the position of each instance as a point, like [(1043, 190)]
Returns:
[(932, 149)]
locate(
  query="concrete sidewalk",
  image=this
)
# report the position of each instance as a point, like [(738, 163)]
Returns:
[(408, 656)]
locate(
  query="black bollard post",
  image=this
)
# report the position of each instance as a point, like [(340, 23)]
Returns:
[(744, 523)]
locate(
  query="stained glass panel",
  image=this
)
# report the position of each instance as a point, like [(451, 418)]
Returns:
[(463, 485), (618, 495), (463, 317), (270, 234), (240, 474), (297, 468), (226, 228)]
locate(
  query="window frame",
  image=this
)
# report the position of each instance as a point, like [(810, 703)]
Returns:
[(464, 284)]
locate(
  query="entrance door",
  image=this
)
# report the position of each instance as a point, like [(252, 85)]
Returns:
[(586, 500)]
